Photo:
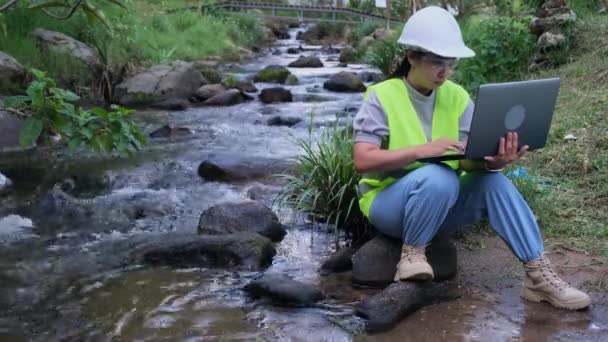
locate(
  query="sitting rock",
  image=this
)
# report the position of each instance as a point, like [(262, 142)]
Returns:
[(283, 121), (208, 91), (345, 81), (275, 95), (283, 290), (340, 261), (307, 62), (227, 168), (248, 251), (237, 217), (272, 74), (387, 308), (228, 98), (63, 44), (172, 104), (348, 55), (375, 263), (167, 131)]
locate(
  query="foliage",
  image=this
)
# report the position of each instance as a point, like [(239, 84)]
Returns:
[(325, 181), (361, 30), (504, 47), (49, 110), (325, 32), (385, 55)]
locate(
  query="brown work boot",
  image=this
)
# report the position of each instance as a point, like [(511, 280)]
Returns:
[(543, 284), (413, 264)]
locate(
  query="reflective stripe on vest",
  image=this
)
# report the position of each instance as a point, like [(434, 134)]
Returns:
[(405, 129)]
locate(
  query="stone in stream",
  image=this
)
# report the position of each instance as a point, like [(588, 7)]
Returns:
[(272, 74), (384, 310), (340, 261), (245, 250), (283, 290), (172, 104), (307, 62), (236, 217), (167, 132), (345, 81), (279, 120), (228, 98), (208, 91), (275, 94), (374, 264), (228, 168)]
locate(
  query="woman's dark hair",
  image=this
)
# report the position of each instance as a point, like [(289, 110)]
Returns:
[(404, 67)]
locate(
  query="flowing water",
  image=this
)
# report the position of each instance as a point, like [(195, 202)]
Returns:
[(63, 270)]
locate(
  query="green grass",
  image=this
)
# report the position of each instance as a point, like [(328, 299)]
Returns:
[(575, 211)]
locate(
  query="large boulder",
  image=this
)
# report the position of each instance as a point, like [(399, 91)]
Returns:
[(276, 94), (375, 263), (384, 310), (345, 81), (249, 251), (61, 43), (228, 98), (272, 74), (340, 261), (10, 126), (283, 290), (228, 168), (237, 217), (208, 91), (176, 80), (11, 72), (307, 62)]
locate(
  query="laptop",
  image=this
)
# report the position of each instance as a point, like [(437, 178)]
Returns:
[(525, 107)]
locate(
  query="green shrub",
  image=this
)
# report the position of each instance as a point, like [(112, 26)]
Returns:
[(325, 32), (325, 181), (504, 47), (361, 30), (49, 110), (385, 55)]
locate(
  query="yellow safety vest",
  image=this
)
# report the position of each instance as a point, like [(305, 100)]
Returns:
[(405, 129)]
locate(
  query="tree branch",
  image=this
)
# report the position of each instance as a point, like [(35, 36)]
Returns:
[(72, 11), (7, 5)]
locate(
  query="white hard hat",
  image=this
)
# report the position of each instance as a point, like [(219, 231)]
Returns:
[(435, 30)]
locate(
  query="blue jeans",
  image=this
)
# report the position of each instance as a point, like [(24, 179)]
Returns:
[(433, 199)]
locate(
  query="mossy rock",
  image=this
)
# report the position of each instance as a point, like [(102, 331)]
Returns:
[(292, 80), (272, 74)]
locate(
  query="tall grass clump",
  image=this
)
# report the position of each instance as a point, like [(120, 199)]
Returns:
[(324, 184)]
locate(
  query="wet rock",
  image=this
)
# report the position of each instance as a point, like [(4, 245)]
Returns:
[(291, 80), (211, 70), (280, 120), (300, 35), (375, 263), (275, 95), (176, 80), (387, 308), (5, 183), (228, 168), (249, 251), (283, 290), (61, 43), (276, 52), (263, 193), (86, 184), (12, 73), (328, 49), (272, 74), (208, 91), (342, 65), (348, 55), (345, 81), (244, 86), (172, 104), (307, 62), (228, 98), (368, 76), (10, 126), (293, 51), (340, 261), (236, 217), (167, 132)]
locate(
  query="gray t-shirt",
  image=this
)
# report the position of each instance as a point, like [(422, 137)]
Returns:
[(371, 126)]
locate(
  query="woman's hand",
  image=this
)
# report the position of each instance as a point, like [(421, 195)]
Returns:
[(507, 152), (439, 147)]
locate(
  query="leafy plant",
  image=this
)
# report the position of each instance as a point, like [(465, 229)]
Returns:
[(325, 181), (48, 110), (385, 55)]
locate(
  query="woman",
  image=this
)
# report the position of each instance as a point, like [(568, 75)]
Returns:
[(419, 113)]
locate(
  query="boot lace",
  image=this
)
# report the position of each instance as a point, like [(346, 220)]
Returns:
[(549, 274)]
